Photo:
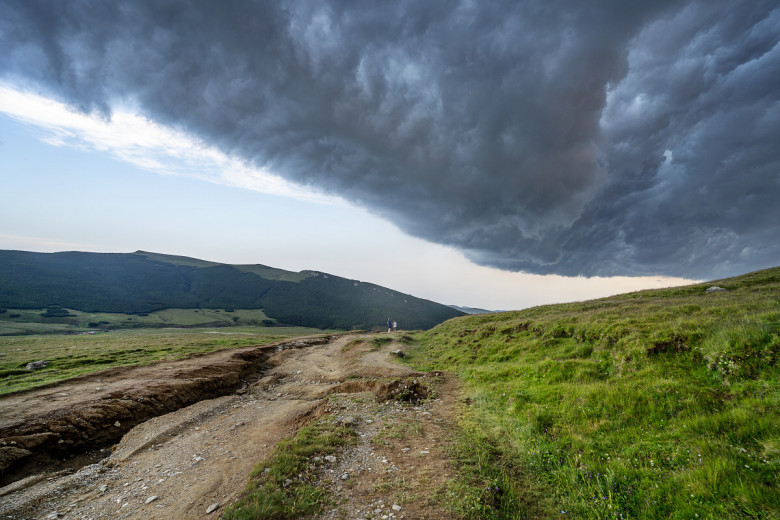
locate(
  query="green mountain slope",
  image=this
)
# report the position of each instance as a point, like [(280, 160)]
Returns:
[(654, 404), (145, 282)]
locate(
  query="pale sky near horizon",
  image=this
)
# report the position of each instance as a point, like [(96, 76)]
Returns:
[(74, 182)]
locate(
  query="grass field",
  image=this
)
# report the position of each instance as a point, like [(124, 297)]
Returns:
[(27, 321), (70, 355), (655, 404)]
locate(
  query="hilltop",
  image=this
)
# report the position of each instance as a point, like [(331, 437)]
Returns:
[(143, 282)]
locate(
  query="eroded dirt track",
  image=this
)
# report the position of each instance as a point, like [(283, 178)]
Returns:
[(201, 425)]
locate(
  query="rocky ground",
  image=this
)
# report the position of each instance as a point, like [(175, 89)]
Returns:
[(191, 462)]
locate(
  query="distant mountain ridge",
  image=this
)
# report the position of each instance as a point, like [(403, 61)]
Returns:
[(143, 282), (472, 310)]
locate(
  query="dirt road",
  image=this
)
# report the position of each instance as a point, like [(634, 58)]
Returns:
[(193, 452)]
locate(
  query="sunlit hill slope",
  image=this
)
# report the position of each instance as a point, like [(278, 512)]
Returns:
[(654, 404)]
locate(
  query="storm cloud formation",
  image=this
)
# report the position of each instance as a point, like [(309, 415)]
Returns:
[(568, 137)]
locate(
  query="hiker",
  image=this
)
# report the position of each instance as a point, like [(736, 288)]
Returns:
[(389, 325), (395, 326)]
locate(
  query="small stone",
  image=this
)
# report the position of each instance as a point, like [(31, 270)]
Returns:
[(714, 288), (103, 488), (424, 452), (213, 507), (198, 458), (345, 476), (53, 516), (330, 458), (396, 507), (37, 365), (151, 499), (117, 424), (63, 394)]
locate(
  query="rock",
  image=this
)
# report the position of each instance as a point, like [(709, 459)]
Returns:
[(345, 476), (37, 365), (117, 424), (330, 458), (213, 507), (103, 488), (399, 353), (715, 288), (396, 507), (424, 452), (151, 499), (53, 516)]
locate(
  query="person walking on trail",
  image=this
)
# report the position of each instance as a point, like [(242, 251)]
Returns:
[(395, 326), (389, 325)]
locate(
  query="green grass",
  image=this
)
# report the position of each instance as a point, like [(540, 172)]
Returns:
[(72, 355), (656, 404), (380, 341), (286, 484), (26, 321)]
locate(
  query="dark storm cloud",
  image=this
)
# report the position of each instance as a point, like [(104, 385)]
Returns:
[(592, 138)]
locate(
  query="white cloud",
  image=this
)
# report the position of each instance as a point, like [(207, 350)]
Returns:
[(138, 140)]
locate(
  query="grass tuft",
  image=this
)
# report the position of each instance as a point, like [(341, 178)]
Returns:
[(286, 484)]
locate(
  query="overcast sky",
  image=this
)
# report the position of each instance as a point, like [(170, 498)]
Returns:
[(497, 154)]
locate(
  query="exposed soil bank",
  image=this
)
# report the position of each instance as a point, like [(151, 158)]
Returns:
[(41, 426)]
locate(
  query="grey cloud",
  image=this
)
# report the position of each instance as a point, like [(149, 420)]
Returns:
[(550, 137)]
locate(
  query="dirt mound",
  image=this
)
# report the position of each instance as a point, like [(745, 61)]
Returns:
[(407, 390)]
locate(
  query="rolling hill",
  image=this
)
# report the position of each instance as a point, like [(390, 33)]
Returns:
[(142, 282)]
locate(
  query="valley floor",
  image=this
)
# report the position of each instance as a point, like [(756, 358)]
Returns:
[(196, 460)]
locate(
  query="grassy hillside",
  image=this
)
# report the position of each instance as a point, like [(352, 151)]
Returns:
[(655, 404), (142, 283)]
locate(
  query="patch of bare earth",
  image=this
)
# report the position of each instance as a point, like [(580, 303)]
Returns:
[(192, 459)]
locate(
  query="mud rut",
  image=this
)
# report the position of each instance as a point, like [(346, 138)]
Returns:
[(178, 440)]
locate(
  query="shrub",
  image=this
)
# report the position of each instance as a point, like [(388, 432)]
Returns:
[(55, 311)]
